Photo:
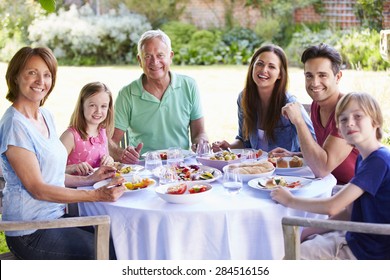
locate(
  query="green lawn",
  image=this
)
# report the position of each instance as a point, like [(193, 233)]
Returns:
[(219, 87)]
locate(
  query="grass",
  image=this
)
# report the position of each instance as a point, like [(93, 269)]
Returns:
[(219, 87)]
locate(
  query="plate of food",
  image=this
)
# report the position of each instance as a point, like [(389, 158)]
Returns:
[(123, 169), (132, 183), (287, 164), (251, 170), (270, 183), (220, 159), (258, 152), (184, 192), (164, 154), (193, 172)]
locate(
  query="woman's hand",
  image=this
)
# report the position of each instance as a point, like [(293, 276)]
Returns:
[(280, 152), (112, 191), (102, 173), (81, 169), (220, 145)]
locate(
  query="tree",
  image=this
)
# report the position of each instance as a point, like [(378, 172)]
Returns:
[(370, 13)]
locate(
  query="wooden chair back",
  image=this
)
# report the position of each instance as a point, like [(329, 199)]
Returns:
[(291, 231), (101, 224)]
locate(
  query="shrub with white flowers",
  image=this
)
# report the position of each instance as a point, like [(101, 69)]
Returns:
[(80, 37)]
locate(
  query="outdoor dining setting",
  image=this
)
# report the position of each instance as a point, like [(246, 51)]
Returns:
[(149, 223), (126, 136)]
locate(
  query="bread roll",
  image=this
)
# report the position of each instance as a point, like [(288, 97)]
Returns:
[(296, 162), (281, 163)]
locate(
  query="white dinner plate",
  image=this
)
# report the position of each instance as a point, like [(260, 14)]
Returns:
[(105, 182), (186, 153), (185, 198), (254, 183), (134, 168), (202, 168)]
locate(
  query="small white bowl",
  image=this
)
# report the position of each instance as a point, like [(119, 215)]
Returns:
[(185, 198)]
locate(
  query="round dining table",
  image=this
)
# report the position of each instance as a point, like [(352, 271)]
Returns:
[(245, 226)]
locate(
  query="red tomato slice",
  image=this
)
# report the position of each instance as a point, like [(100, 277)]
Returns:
[(294, 184), (178, 189), (198, 189)]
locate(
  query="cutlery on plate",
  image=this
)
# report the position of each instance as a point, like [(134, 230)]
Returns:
[(113, 186)]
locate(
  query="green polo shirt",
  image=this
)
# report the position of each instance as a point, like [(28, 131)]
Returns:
[(159, 124)]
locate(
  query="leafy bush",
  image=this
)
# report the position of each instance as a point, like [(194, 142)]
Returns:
[(252, 41), (361, 50), (15, 16), (305, 38), (358, 48), (179, 33), (80, 37)]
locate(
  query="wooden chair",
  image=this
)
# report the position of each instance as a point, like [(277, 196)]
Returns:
[(101, 223), (291, 231)]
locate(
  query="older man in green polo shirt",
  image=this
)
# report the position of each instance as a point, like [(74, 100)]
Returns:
[(161, 109)]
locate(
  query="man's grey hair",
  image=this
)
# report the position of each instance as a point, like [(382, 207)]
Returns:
[(151, 34)]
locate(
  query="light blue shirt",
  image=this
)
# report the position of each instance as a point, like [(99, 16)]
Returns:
[(18, 203), (286, 135)]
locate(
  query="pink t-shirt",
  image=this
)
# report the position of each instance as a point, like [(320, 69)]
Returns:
[(345, 171), (90, 150)]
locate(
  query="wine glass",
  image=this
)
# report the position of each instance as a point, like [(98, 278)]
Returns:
[(232, 181), (152, 161), (251, 156)]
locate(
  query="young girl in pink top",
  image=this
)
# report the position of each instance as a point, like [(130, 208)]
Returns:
[(91, 125)]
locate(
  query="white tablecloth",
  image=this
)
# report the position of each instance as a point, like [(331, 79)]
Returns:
[(246, 226)]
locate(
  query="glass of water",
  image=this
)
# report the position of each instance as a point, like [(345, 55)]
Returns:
[(152, 161), (168, 175), (175, 156), (203, 149), (232, 182)]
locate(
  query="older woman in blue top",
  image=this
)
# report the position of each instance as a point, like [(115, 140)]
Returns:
[(261, 125), (33, 161)]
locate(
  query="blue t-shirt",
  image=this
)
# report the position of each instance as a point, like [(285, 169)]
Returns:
[(373, 206), (18, 203)]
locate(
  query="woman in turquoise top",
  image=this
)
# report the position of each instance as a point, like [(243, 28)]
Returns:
[(261, 124), (33, 161)]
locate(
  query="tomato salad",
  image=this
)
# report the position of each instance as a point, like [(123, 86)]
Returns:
[(182, 187)]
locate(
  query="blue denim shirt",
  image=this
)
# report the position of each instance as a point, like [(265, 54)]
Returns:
[(285, 132), (19, 204)]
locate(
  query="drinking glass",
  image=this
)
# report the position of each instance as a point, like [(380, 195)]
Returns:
[(251, 156), (232, 182), (175, 156), (168, 175), (203, 149), (152, 161)]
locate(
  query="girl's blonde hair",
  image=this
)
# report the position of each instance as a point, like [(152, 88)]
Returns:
[(369, 106), (77, 119)]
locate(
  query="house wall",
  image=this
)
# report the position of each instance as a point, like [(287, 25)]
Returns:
[(211, 13)]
